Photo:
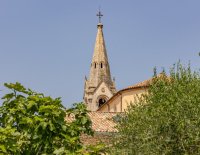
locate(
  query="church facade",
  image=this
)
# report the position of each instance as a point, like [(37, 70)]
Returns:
[(99, 86), (102, 99), (100, 94)]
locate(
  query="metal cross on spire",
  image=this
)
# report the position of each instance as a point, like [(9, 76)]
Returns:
[(99, 15)]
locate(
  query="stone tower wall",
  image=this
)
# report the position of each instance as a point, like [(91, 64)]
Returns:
[(99, 87)]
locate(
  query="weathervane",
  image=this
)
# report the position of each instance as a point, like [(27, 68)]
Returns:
[(99, 15)]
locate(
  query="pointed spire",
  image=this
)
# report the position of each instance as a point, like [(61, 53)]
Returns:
[(100, 69), (99, 85), (100, 53)]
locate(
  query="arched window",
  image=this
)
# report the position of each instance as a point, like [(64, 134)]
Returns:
[(101, 65), (101, 101), (95, 65)]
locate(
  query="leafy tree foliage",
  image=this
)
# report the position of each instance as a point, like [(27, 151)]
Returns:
[(166, 120), (34, 124)]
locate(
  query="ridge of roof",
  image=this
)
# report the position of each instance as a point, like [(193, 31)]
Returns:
[(145, 83)]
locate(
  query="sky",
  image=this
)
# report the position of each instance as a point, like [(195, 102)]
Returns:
[(47, 45)]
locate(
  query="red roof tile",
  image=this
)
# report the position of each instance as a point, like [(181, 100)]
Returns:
[(101, 121), (146, 83)]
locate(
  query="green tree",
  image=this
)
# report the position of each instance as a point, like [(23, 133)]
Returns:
[(166, 120), (34, 124)]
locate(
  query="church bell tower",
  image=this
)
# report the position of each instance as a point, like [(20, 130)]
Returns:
[(99, 86)]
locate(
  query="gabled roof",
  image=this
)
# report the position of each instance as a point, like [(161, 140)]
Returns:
[(100, 85)]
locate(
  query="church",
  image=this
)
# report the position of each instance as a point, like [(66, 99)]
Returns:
[(99, 87), (102, 99), (100, 92)]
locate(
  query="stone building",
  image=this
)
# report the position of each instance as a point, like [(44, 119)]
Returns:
[(100, 95), (99, 91), (99, 87), (124, 97)]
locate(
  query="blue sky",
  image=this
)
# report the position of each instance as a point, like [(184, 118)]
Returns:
[(47, 45)]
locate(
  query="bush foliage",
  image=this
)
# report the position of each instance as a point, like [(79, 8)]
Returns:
[(34, 124), (166, 120)]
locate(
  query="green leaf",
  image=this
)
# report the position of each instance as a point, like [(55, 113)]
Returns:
[(3, 148), (31, 104), (43, 125), (84, 120), (59, 151), (52, 127), (8, 96)]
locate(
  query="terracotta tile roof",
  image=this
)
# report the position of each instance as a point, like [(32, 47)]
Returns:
[(145, 83), (101, 121)]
